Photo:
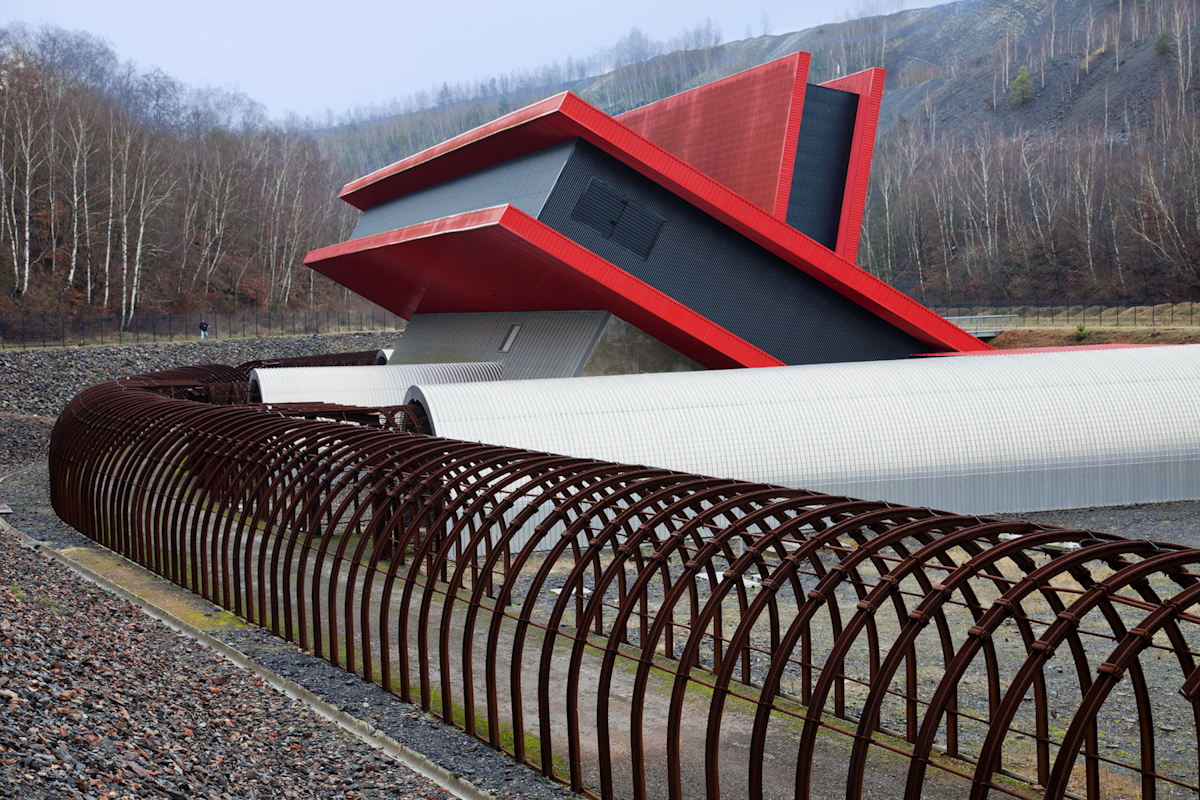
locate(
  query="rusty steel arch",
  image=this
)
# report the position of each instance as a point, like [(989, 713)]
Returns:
[(636, 632)]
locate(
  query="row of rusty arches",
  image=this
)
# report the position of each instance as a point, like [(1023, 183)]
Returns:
[(635, 632)]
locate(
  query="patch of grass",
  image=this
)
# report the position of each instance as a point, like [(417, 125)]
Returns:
[(17, 592), (1065, 337), (533, 745)]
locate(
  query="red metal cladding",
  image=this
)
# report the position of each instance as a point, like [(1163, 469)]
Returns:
[(433, 267), (868, 85), (566, 116), (741, 130)]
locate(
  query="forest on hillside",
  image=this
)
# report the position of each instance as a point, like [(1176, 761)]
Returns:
[(1003, 177), (1077, 176), (123, 190)]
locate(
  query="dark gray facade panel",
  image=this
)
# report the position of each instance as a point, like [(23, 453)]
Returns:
[(611, 215), (822, 159), (599, 208), (524, 181), (724, 276), (637, 230), (549, 344)]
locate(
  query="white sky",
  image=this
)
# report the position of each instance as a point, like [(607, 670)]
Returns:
[(307, 56)]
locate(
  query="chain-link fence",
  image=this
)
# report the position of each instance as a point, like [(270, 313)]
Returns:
[(1049, 315)]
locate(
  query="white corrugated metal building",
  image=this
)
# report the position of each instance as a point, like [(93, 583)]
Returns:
[(360, 386), (983, 434)]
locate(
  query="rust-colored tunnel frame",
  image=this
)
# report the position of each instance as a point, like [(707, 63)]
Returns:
[(829, 612)]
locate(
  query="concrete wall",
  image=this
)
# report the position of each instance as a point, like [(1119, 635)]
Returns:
[(625, 350)]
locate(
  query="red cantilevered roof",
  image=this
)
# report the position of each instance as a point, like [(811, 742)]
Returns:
[(434, 267), (563, 117)]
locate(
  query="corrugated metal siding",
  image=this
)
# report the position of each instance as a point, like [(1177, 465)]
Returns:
[(724, 276), (361, 386), (551, 344), (1009, 433), (822, 161), (524, 181), (614, 217)]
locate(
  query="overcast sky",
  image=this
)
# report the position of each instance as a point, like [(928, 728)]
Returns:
[(306, 56)]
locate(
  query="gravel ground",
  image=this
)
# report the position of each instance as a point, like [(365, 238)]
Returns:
[(42, 382), (37, 384), (102, 701), (1178, 523)]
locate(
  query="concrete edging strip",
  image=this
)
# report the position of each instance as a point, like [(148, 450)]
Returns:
[(347, 722)]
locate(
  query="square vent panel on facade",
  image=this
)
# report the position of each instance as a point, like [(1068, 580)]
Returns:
[(614, 217)]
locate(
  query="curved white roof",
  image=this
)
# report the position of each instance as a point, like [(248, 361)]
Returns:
[(981, 434), (361, 386), (382, 356)]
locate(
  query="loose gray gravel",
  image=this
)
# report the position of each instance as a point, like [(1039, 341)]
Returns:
[(42, 382), (35, 385), (1178, 523), (28, 494), (100, 701)]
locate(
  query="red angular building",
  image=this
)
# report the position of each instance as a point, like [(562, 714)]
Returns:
[(722, 222)]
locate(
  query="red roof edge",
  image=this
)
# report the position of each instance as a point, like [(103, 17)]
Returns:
[(630, 298), (788, 165), (868, 85), (496, 140)]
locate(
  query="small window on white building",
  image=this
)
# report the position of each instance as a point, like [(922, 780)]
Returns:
[(512, 337)]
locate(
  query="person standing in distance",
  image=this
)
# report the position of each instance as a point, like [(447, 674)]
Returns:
[(203, 330)]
